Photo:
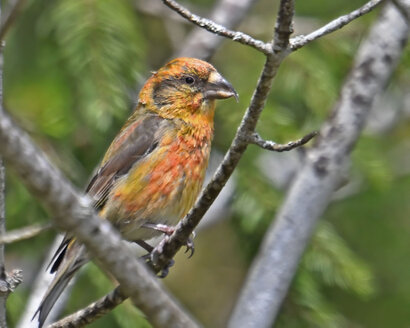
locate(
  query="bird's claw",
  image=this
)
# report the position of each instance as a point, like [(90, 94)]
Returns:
[(190, 247), (152, 257)]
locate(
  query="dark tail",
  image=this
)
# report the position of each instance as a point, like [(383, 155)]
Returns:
[(69, 258)]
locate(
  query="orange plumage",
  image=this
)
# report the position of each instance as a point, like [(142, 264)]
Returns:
[(154, 168)]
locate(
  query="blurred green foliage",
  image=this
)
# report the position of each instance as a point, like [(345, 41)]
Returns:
[(71, 75)]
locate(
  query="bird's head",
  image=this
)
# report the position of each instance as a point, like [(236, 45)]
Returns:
[(185, 87)]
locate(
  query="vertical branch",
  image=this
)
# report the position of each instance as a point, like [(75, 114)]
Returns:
[(3, 282), (7, 282)]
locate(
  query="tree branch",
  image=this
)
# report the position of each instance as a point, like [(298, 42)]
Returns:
[(282, 31), (218, 29), (336, 24), (23, 233), (72, 212), (168, 247), (283, 26), (294, 44), (273, 146), (274, 267), (4, 290), (92, 312), (200, 43)]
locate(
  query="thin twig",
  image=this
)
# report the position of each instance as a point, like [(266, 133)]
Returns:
[(92, 312), (273, 146), (199, 43), (23, 233), (294, 43), (336, 24), (168, 247), (10, 17), (219, 29)]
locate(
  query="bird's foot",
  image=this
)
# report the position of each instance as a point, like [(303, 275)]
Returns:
[(150, 258), (168, 231)]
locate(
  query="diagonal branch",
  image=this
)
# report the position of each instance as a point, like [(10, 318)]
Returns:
[(275, 265), (294, 44), (10, 17), (168, 247), (92, 312), (199, 43), (218, 29), (71, 212), (282, 32), (336, 24)]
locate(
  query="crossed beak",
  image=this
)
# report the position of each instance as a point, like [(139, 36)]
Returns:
[(219, 88)]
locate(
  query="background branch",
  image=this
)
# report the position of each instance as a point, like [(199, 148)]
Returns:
[(336, 24), (217, 28), (23, 233), (311, 190), (92, 312)]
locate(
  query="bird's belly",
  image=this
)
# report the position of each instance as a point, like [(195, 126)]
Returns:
[(160, 191)]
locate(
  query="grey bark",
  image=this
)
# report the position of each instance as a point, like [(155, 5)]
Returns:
[(273, 269)]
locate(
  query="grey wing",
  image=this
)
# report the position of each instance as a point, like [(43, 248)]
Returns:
[(139, 143)]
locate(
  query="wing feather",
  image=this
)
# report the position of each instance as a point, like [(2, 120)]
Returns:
[(141, 138)]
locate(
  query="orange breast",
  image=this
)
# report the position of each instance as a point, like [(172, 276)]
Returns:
[(162, 187)]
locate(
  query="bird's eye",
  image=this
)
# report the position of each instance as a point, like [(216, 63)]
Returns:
[(189, 80)]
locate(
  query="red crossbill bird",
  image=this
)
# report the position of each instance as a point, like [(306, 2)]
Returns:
[(154, 169)]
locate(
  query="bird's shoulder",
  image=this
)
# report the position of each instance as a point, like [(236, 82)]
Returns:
[(139, 137)]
